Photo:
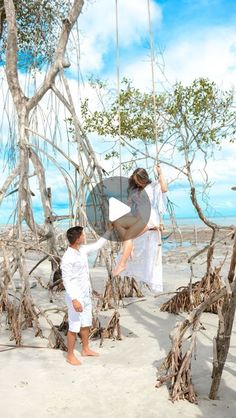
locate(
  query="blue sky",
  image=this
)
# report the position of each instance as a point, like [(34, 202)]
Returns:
[(173, 21), (197, 38), (186, 16)]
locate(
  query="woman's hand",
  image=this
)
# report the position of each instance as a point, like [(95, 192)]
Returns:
[(161, 178), (158, 169)]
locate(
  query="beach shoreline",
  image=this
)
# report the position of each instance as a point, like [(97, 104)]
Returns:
[(122, 380)]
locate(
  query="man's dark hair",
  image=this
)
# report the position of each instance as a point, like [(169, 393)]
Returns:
[(74, 233)]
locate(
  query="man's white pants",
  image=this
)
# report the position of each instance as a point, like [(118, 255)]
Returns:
[(82, 319)]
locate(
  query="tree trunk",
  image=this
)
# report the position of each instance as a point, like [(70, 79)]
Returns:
[(222, 341)]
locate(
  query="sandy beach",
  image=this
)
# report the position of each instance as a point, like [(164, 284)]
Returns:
[(38, 382), (117, 121)]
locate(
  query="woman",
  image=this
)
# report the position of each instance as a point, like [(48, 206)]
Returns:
[(135, 224)]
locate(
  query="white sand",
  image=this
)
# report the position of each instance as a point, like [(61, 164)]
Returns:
[(39, 383)]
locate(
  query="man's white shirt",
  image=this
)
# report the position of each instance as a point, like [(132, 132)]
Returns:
[(75, 270)]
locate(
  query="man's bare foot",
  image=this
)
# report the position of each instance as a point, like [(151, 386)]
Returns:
[(73, 360), (90, 353), (118, 269)]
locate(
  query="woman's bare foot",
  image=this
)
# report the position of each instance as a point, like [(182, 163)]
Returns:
[(73, 360), (89, 353), (132, 254), (118, 269)]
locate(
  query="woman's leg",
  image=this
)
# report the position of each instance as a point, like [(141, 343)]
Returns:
[(125, 222), (122, 225), (133, 232), (127, 249), (121, 230), (136, 229)]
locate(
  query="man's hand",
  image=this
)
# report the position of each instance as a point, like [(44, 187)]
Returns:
[(161, 227), (77, 305), (109, 226)]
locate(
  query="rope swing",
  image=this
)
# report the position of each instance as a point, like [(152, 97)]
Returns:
[(153, 79), (118, 93), (153, 82), (170, 208)]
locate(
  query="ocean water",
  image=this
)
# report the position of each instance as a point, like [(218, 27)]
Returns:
[(224, 221)]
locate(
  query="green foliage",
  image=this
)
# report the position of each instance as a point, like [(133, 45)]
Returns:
[(190, 118), (201, 112), (38, 25), (111, 154), (136, 114)]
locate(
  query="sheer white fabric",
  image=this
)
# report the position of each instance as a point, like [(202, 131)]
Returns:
[(157, 201), (146, 263)]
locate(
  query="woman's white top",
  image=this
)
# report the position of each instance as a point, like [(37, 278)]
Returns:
[(157, 201)]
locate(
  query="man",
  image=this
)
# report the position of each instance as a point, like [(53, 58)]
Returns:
[(75, 275)]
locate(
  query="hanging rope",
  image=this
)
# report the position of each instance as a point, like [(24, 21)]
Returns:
[(118, 92), (153, 79), (170, 208)]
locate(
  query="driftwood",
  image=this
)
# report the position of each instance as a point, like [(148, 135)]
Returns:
[(176, 367), (22, 314), (226, 318), (182, 302), (127, 287), (112, 329), (190, 296)]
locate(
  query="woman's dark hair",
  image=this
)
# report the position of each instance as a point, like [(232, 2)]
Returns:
[(74, 233), (142, 176)]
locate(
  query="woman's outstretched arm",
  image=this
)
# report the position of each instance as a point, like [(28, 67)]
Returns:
[(162, 180)]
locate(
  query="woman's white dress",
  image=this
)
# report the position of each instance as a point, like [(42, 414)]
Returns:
[(146, 263)]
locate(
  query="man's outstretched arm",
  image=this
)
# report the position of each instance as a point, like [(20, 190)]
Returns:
[(89, 248)]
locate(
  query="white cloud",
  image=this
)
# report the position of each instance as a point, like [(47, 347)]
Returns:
[(208, 53), (97, 26), (222, 168)]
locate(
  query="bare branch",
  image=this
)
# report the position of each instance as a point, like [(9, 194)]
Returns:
[(59, 61), (8, 182), (11, 55)]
